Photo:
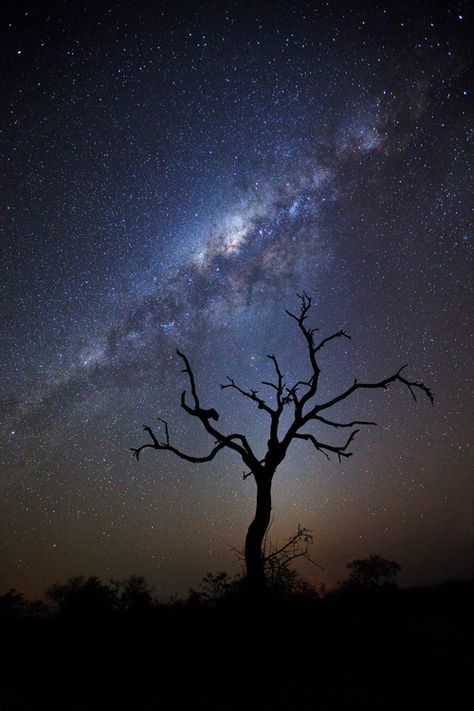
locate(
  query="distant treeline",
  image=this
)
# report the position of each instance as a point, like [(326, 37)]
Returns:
[(369, 578)]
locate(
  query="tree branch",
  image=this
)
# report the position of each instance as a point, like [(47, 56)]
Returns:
[(251, 394), (279, 559), (296, 546), (281, 400), (279, 386), (321, 447), (330, 338), (410, 384), (197, 411), (245, 475), (308, 333), (342, 424), (273, 442), (156, 444), (301, 535), (236, 442), (204, 416)]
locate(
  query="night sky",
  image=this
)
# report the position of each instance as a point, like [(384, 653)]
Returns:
[(172, 175)]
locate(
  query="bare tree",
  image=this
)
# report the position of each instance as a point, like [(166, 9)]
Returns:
[(301, 397)]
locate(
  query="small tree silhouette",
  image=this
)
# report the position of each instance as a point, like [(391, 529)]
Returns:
[(12, 605), (214, 588), (133, 594), (370, 574), (306, 410)]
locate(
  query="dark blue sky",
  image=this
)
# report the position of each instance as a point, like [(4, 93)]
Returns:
[(172, 174)]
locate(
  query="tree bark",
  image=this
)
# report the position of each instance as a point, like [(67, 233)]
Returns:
[(254, 559)]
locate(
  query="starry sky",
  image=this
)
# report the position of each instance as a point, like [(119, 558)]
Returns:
[(172, 175)]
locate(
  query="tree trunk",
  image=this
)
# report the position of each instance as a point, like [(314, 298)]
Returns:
[(256, 533)]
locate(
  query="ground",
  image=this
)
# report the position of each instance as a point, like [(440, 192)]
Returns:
[(401, 649)]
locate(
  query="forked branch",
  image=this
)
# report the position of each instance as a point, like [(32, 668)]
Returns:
[(251, 394), (307, 410), (156, 444), (236, 442), (297, 546), (340, 451), (309, 333)]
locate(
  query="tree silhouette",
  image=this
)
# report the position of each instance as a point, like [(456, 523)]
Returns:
[(373, 573), (306, 410)]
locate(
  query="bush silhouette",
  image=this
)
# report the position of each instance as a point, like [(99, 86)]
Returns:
[(80, 597)]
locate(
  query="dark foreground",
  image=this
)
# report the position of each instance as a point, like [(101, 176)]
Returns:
[(410, 649)]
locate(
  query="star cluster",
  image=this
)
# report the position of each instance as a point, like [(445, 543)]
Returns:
[(173, 174)]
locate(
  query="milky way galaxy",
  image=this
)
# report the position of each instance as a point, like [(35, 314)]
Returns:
[(172, 176)]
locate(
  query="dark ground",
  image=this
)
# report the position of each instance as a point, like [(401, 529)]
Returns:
[(392, 650)]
